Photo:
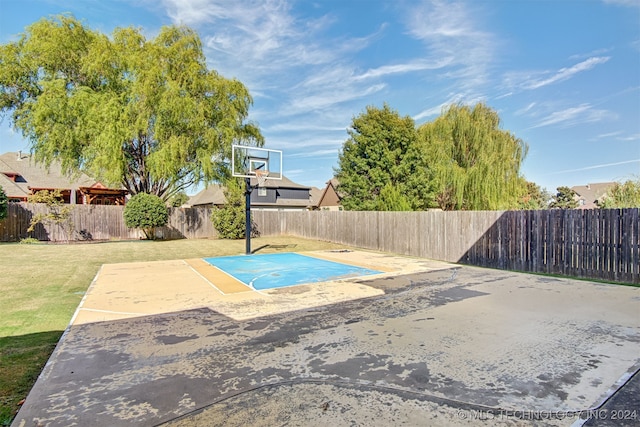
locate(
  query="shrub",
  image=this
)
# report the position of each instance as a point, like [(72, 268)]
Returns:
[(146, 212), (3, 204), (57, 212), (29, 241), (230, 220)]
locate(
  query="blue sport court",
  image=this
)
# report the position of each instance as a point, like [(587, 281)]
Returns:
[(270, 271)]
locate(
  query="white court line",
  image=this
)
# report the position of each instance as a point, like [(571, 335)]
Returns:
[(203, 278), (82, 301), (214, 286)]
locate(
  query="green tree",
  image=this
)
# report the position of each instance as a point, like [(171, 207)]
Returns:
[(58, 213), (144, 114), (534, 197), (625, 195), (471, 163), (3, 204), (374, 156), (230, 219), (564, 199), (146, 212), (391, 199)]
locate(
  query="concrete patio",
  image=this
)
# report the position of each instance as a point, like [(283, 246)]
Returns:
[(424, 343)]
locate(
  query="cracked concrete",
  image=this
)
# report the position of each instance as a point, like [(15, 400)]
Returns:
[(427, 343)]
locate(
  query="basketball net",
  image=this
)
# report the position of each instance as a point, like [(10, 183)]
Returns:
[(261, 177)]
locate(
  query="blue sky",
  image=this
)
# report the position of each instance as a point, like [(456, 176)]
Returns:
[(564, 75)]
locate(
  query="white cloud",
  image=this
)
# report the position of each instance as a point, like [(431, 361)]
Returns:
[(529, 80), (303, 127), (604, 165), (608, 135), (565, 73), (583, 113), (597, 52), (525, 109), (634, 137), (417, 65), (251, 39), (450, 30), (328, 98), (318, 153), (458, 98)]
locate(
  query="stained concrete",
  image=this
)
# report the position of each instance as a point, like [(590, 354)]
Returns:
[(426, 343)]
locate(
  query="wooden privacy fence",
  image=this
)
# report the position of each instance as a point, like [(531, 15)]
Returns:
[(97, 222), (595, 243)]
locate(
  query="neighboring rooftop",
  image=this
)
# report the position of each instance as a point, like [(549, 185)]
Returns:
[(589, 195), (21, 176), (275, 194)]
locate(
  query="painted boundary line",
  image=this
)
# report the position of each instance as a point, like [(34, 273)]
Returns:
[(223, 282)]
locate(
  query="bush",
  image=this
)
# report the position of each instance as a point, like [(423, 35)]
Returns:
[(57, 212), (146, 212), (3, 204), (29, 241), (230, 220)]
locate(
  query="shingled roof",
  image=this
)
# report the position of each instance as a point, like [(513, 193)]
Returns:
[(589, 195), (21, 176)]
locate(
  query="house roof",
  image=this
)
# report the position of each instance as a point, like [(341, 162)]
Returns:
[(590, 194), (279, 183), (214, 194), (331, 184), (314, 196), (19, 173)]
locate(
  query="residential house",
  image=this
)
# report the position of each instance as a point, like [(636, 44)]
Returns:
[(589, 195), (21, 176), (274, 195), (330, 198)]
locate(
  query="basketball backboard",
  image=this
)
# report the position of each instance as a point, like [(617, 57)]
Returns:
[(248, 162)]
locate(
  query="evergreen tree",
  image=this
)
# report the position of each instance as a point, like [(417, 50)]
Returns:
[(230, 219), (374, 157), (564, 199), (391, 199)]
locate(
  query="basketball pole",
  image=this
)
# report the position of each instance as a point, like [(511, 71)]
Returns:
[(247, 212)]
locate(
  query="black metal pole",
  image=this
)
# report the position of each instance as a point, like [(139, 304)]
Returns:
[(247, 207)]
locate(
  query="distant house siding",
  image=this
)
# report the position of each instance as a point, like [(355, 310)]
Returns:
[(294, 193), (269, 198)]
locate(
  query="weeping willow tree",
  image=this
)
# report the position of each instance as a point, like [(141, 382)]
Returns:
[(471, 163), (147, 114)]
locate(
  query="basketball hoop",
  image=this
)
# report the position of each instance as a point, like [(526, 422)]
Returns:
[(261, 177)]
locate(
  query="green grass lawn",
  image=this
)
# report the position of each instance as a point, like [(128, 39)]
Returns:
[(42, 284)]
